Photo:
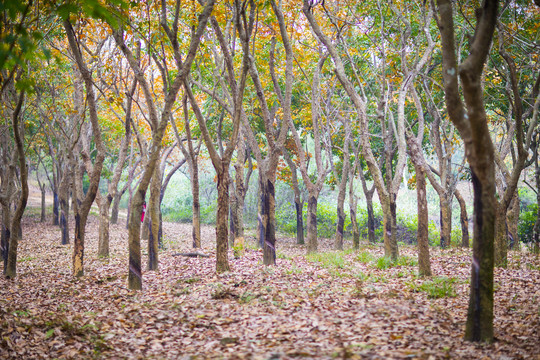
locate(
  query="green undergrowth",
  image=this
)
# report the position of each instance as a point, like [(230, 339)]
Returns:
[(329, 260), (437, 287)]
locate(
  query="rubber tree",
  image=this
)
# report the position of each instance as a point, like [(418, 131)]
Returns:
[(158, 118), (387, 186), (470, 119), (244, 26), (94, 169)]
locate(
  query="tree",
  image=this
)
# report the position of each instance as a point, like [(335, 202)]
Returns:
[(221, 162), (158, 121), (94, 169), (471, 121)]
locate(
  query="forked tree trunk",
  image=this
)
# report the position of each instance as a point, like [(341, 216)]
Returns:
[(222, 262), (424, 265), (471, 121), (312, 223)]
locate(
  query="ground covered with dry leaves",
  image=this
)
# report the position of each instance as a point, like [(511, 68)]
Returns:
[(335, 305)]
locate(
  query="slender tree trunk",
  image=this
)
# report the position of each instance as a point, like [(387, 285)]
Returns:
[(338, 241), (463, 219), (134, 242), (268, 214), (42, 217), (299, 206), (512, 219), (153, 218), (446, 221), (103, 243), (116, 207), (536, 228), (389, 211), (501, 240), (222, 262), (6, 233), (55, 208), (424, 265), (233, 214), (312, 223), (196, 206), (371, 216), (355, 229), (64, 208), (11, 268)]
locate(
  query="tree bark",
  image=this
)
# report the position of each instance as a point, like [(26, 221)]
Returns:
[(153, 218), (312, 223), (424, 265), (11, 268), (222, 262), (446, 220), (463, 219)]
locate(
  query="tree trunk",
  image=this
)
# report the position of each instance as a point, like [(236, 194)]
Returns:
[(446, 221), (389, 224), (338, 241), (222, 262), (501, 240), (78, 246), (42, 217), (463, 219), (268, 214), (11, 268), (116, 206), (424, 265), (196, 206), (103, 242), (512, 219), (6, 233), (233, 215), (312, 223), (55, 208), (134, 241), (153, 218), (64, 207), (299, 206), (371, 216)]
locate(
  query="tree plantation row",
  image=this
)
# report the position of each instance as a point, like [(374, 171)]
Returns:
[(103, 101)]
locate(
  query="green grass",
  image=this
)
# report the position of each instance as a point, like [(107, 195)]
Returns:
[(386, 262), (328, 260), (438, 287), (365, 257)]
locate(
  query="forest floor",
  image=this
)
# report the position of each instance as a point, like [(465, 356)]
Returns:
[(349, 304)]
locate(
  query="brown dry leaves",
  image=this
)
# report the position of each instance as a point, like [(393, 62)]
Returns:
[(297, 309)]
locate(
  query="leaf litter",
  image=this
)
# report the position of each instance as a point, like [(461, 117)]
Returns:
[(300, 308)]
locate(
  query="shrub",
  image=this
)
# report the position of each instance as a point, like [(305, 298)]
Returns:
[(526, 223)]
